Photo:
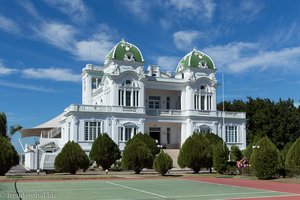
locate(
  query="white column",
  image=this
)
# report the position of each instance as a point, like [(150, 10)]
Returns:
[(124, 97), (136, 98), (131, 98), (200, 103), (205, 102)]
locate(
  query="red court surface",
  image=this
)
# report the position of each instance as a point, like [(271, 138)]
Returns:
[(257, 184)]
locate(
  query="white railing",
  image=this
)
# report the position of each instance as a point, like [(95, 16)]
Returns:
[(164, 112), (97, 108), (51, 133), (153, 112)]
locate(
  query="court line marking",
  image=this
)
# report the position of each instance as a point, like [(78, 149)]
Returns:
[(226, 194), (132, 188), (67, 189), (291, 195)]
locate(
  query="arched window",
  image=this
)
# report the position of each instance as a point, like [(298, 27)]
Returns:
[(203, 98), (204, 129), (127, 131), (129, 93)]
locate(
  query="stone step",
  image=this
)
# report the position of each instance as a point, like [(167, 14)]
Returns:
[(173, 153)]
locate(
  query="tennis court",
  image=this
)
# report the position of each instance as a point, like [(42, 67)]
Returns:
[(114, 189)]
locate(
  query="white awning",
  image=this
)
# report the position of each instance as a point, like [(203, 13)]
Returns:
[(36, 131)]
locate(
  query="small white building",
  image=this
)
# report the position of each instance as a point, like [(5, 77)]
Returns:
[(121, 98)]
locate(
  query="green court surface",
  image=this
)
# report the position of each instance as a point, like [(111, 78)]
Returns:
[(129, 189)]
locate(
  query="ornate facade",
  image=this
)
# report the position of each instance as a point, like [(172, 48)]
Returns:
[(121, 99)]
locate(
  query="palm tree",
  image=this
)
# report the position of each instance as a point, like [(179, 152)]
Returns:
[(3, 127)]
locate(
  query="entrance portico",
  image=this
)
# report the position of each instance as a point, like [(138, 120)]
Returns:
[(167, 134)]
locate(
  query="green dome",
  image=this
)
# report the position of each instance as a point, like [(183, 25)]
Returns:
[(195, 59), (125, 51)]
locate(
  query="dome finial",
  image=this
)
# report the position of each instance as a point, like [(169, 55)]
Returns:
[(122, 40), (194, 49)]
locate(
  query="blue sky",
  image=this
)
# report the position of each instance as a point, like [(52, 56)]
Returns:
[(45, 44)]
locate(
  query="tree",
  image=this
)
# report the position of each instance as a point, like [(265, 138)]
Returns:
[(8, 155), (248, 151), (283, 154), (235, 153), (3, 127), (148, 140), (265, 159), (220, 158), (137, 156), (292, 161), (71, 158), (213, 141), (105, 151), (163, 163), (195, 153), (277, 120)]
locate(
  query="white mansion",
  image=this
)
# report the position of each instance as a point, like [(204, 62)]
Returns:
[(122, 98)]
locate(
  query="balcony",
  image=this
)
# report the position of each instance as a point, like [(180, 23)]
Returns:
[(163, 112), (109, 109), (153, 112), (219, 114)]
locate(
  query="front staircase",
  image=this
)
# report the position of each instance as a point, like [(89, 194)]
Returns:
[(174, 155)]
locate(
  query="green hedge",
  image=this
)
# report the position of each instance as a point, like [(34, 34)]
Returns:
[(195, 153), (105, 151), (265, 159), (8, 155), (292, 162), (163, 163), (71, 158), (137, 156)]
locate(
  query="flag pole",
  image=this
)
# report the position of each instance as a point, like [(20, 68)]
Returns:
[(223, 113)]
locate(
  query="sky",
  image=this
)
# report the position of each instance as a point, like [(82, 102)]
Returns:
[(45, 44)]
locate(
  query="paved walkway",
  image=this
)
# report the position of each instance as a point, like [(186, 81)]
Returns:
[(17, 170)]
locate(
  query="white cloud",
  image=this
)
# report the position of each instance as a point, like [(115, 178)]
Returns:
[(284, 34), (8, 25), (64, 36), (184, 39), (241, 57), (57, 74), (241, 11), (26, 87), (138, 8), (76, 9), (29, 7), (96, 48), (168, 63), (6, 70), (194, 8), (57, 34)]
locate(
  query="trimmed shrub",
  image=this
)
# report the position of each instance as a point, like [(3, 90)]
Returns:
[(71, 158), (148, 140), (248, 151), (292, 161), (195, 153), (265, 159), (213, 140), (105, 151), (220, 158), (8, 155), (283, 171), (235, 153), (137, 156), (162, 163)]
